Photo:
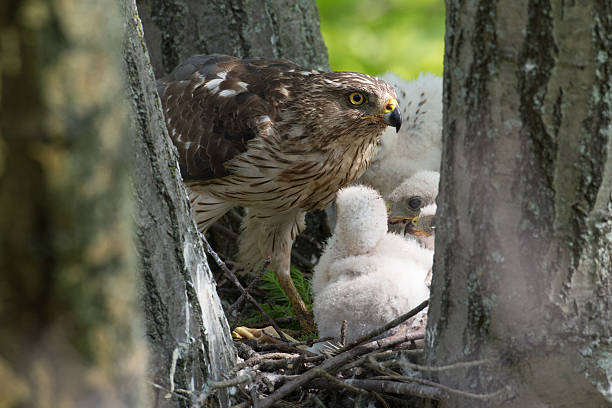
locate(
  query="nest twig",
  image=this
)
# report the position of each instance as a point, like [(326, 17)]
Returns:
[(236, 282), (369, 370), (384, 371)]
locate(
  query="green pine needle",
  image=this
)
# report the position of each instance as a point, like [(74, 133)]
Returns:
[(277, 303), (271, 285)]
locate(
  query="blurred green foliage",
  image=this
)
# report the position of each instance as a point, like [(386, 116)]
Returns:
[(374, 36)]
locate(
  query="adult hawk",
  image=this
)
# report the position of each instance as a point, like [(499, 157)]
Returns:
[(275, 138)]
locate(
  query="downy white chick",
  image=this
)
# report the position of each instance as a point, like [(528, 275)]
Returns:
[(366, 275), (416, 196), (418, 145)]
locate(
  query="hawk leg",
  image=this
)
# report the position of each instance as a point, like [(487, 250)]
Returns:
[(272, 236), (299, 307)]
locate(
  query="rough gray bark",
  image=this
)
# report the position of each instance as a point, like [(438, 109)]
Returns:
[(188, 334), (177, 29), (70, 326), (524, 241)]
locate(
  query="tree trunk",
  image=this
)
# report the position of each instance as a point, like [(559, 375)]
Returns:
[(177, 29), (187, 331), (71, 333), (524, 238)]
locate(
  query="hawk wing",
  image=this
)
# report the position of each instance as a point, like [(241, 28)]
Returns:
[(215, 104)]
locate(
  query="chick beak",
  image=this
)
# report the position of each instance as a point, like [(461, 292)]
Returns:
[(423, 226), (401, 220), (392, 115)]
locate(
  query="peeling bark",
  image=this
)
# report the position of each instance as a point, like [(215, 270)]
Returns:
[(524, 241), (187, 331)]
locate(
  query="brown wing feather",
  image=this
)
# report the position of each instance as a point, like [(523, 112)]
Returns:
[(209, 126)]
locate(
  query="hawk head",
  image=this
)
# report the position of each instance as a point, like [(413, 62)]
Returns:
[(339, 107)]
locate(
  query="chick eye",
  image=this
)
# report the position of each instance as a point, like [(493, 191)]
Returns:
[(356, 98), (414, 203)]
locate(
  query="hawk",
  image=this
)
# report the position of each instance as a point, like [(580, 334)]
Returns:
[(275, 138)]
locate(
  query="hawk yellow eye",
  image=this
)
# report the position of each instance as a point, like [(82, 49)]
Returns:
[(356, 98)]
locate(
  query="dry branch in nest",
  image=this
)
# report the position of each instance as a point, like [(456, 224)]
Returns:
[(382, 371), (369, 371)]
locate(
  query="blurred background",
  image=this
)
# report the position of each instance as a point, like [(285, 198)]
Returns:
[(374, 36)]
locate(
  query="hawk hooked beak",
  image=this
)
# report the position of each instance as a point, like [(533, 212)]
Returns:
[(392, 115)]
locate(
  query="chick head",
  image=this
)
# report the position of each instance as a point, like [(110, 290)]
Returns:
[(361, 219), (410, 198)]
